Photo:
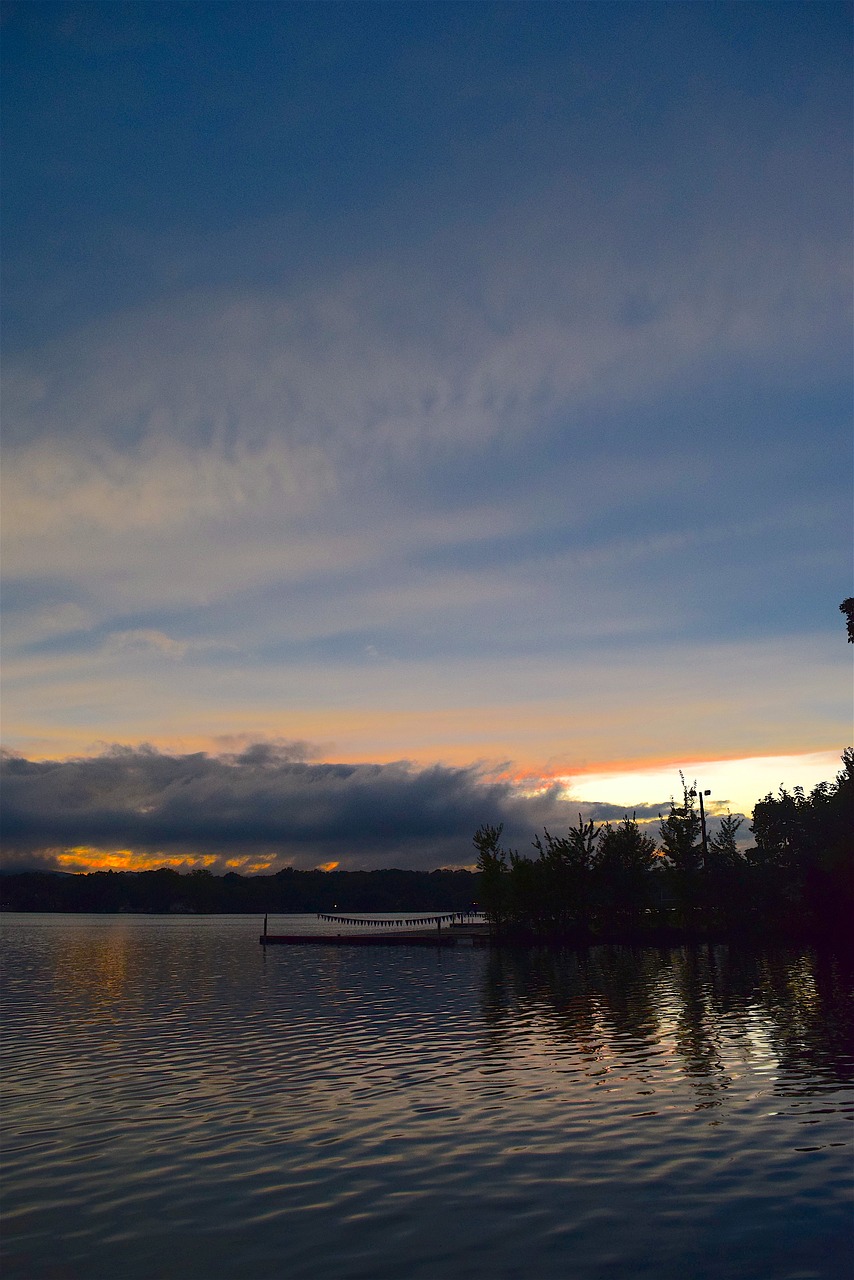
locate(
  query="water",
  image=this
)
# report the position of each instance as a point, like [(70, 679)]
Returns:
[(180, 1103)]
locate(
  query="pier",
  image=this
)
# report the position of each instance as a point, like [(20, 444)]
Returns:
[(461, 928)]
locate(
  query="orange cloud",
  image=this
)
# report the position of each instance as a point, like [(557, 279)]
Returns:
[(249, 865), (85, 858)]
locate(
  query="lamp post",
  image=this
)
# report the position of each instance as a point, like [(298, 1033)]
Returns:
[(703, 823)]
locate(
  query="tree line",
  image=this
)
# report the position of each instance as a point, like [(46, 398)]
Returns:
[(619, 881), (287, 892)]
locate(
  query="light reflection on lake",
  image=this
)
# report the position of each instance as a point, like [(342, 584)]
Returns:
[(179, 1102)]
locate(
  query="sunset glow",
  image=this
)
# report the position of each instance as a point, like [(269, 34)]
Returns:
[(476, 444), (88, 859)]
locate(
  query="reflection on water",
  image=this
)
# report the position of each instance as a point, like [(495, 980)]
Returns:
[(712, 1008), (179, 1102)]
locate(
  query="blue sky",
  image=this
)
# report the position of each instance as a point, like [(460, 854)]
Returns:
[(463, 384)]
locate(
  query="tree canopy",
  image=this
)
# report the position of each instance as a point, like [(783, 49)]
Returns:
[(617, 880)]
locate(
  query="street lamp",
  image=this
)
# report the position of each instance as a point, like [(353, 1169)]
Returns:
[(703, 823)]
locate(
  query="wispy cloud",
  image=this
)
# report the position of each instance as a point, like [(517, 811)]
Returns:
[(144, 640), (530, 449)]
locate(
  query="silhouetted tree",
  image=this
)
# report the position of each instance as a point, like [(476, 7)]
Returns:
[(725, 887), (680, 838), (493, 869), (799, 877), (530, 905), (777, 825), (723, 850), (804, 852), (847, 607), (568, 866), (626, 858), (681, 831)]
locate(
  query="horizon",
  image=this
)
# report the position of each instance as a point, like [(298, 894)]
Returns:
[(236, 812)]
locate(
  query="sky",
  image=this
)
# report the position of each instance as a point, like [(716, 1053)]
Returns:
[(418, 415)]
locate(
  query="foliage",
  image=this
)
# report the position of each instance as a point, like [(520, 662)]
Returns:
[(492, 867), (680, 834), (805, 848), (613, 880), (722, 846), (568, 875), (626, 858)]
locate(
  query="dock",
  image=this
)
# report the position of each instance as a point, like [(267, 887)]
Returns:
[(460, 932), (446, 939)]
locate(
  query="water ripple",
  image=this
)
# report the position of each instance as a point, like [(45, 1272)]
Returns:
[(179, 1102)]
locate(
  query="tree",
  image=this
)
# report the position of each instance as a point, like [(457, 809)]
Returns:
[(681, 831), (799, 877), (492, 865), (805, 850), (568, 863), (778, 826), (680, 837), (531, 904), (722, 847), (725, 885), (847, 607), (626, 857)]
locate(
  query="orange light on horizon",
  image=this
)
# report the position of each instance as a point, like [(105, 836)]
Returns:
[(85, 858), (130, 860), (565, 772), (252, 866)]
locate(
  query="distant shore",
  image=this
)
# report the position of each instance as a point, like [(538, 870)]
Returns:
[(165, 891)]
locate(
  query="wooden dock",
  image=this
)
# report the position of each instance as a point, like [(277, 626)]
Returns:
[(475, 935)]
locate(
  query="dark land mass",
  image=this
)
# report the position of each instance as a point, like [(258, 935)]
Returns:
[(200, 892), (754, 904)]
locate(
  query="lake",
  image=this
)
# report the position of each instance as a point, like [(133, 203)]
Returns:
[(181, 1102)]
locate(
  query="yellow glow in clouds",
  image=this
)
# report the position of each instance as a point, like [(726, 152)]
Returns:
[(735, 784)]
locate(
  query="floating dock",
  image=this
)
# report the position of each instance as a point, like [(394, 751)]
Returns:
[(463, 934), (445, 938)]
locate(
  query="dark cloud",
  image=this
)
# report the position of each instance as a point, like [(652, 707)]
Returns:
[(265, 802)]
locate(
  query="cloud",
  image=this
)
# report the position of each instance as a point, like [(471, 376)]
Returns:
[(243, 748), (220, 402), (220, 439), (261, 804), (25, 623), (531, 484), (608, 708), (144, 640)]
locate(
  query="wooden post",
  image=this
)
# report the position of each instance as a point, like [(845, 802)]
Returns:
[(265, 924)]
